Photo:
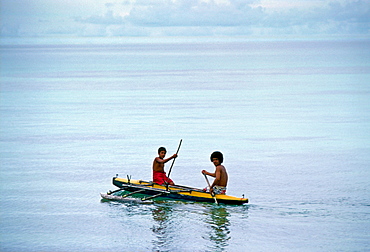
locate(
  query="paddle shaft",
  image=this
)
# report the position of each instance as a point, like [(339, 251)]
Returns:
[(152, 197), (169, 172), (110, 192), (213, 194)]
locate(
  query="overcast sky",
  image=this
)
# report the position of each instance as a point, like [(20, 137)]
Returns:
[(183, 17)]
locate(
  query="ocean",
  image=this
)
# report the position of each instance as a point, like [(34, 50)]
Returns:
[(291, 116)]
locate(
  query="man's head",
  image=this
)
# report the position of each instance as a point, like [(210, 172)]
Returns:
[(161, 149), (217, 155), (162, 152)]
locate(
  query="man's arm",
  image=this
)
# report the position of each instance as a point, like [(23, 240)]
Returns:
[(209, 174), (159, 160)]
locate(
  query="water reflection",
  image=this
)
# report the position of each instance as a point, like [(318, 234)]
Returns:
[(219, 233), (162, 228), (207, 226), (180, 226)]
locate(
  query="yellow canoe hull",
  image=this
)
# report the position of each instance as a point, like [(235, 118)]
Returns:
[(177, 192)]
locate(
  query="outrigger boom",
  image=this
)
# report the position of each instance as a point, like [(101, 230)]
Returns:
[(176, 192)]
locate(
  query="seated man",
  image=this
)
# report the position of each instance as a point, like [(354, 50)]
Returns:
[(219, 184), (159, 176)]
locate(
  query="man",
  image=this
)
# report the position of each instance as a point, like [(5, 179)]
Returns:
[(159, 176), (219, 184)]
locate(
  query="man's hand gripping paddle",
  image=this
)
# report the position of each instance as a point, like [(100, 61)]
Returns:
[(212, 193)]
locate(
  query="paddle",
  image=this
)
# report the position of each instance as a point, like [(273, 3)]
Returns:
[(213, 194), (169, 172), (152, 197), (110, 192)]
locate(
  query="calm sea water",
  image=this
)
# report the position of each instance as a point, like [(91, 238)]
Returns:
[(292, 118)]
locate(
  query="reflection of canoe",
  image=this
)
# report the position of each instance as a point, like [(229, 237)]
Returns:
[(152, 190)]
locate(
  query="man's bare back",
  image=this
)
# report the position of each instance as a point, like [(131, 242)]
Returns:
[(223, 177)]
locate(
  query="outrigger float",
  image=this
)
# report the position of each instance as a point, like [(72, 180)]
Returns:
[(152, 190)]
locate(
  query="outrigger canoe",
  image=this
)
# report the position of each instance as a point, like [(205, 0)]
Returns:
[(176, 192)]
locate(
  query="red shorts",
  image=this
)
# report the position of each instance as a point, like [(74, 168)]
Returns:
[(161, 178)]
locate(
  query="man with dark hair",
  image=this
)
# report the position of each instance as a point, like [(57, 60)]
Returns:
[(159, 176), (219, 184)]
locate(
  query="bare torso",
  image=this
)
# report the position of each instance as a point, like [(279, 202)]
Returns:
[(158, 165)]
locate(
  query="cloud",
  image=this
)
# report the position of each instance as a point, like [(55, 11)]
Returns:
[(183, 17), (195, 13), (355, 12), (107, 19)]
